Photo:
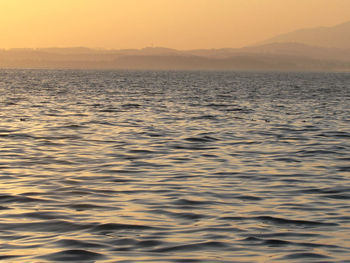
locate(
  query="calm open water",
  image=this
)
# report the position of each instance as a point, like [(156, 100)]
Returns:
[(113, 166)]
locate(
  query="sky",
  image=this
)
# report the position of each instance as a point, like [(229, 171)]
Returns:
[(179, 24)]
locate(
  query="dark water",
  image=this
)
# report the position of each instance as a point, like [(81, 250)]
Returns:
[(174, 167)]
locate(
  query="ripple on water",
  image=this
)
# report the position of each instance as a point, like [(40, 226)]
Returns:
[(282, 221), (127, 166), (305, 256), (74, 255)]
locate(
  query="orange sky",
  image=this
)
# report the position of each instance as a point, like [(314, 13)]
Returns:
[(181, 24)]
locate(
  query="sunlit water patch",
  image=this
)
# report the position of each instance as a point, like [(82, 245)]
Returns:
[(108, 166)]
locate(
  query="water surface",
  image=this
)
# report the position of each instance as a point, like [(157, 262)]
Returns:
[(117, 166)]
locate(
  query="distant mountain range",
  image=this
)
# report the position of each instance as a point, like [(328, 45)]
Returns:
[(318, 49), (332, 37)]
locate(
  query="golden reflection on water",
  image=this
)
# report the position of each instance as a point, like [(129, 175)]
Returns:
[(151, 173)]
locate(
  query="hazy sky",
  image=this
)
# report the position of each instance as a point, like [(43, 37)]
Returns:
[(181, 24)]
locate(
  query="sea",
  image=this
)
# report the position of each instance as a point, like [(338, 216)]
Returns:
[(174, 166)]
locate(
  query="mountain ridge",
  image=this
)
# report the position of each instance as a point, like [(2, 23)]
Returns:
[(333, 37), (284, 52)]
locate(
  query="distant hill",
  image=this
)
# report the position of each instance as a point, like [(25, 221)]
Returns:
[(301, 50), (332, 37), (264, 58), (319, 49), (237, 62)]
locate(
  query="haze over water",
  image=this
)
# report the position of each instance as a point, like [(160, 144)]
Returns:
[(147, 166)]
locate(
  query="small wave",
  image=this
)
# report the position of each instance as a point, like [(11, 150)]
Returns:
[(116, 227), (60, 137), (337, 134), (78, 243), (229, 107), (194, 148), (287, 160), (192, 247), (110, 110), (75, 255), (17, 136), (8, 257), (272, 242), (315, 152), (42, 215), (281, 221), (205, 117), (201, 139), (344, 169), (131, 105), (193, 203), (305, 255), (19, 198), (141, 151), (149, 243), (124, 242), (240, 110), (83, 207), (338, 196), (328, 190), (188, 216), (45, 226), (218, 105), (280, 242), (71, 127)]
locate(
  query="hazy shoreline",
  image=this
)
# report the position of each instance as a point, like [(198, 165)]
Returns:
[(269, 57)]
